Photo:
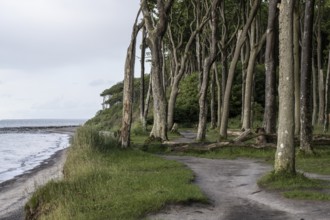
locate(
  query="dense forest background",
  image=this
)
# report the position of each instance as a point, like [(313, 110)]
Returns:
[(259, 63)]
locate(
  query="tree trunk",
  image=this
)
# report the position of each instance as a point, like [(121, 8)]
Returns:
[(201, 131), (319, 67), (143, 53), (212, 104), (306, 130), (180, 68), (245, 56), (285, 154), (240, 42), (249, 84), (296, 58), (156, 32), (146, 106), (326, 111), (270, 95), (128, 87), (218, 93), (315, 98)]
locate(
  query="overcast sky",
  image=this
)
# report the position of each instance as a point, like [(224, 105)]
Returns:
[(57, 56)]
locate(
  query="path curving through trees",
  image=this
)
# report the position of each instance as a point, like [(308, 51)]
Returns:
[(231, 187)]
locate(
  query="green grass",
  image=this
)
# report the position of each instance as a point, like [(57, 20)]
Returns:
[(307, 195), (108, 183), (318, 163), (296, 186), (234, 152)]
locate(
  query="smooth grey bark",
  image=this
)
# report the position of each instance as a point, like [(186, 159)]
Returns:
[(285, 151), (201, 130), (296, 58), (315, 97), (128, 87), (212, 104), (219, 97), (306, 130), (142, 86), (326, 110), (319, 66), (247, 118), (156, 32), (231, 73), (269, 122)]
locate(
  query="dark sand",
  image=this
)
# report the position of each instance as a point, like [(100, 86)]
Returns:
[(15, 193)]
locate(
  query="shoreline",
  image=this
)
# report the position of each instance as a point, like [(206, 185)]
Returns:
[(14, 193)]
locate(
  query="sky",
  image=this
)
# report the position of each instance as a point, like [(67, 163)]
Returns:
[(57, 56)]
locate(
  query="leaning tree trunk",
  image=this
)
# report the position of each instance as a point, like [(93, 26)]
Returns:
[(269, 122), (306, 130), (201, 131), (249, 84), (143, 53), (156, 32), (128, 87), (232, 68), (285, 153)]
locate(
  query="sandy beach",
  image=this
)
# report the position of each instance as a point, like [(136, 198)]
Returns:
[(15, 193)]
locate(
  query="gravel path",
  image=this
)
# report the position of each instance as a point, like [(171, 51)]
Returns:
[(231, 187)]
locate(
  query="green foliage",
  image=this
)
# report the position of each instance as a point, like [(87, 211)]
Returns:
[(108, 119), (137, 129), (112, 184), (186, 108)]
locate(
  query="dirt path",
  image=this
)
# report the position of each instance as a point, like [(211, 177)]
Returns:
[(231, 187)]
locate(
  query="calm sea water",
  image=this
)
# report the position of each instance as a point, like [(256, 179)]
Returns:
[(23, 151)]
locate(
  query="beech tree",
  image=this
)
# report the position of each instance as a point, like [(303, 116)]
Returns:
[(180, 58), (207, 64), (306, 130), (240, 41), (156, 29), (269, 122), (128, 86), (285, 153)]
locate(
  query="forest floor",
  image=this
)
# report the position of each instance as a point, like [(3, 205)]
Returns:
[(231, 186)]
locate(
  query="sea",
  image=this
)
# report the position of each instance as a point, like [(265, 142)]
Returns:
[(25, 144)]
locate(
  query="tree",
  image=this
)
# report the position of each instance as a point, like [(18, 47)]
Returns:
[(285, 153), (269, 122), (306, 130), (254, 51), (180, 60), (128, 86), (240, 41), (208, 62), (156, 29), (142, 108), (296, 58)]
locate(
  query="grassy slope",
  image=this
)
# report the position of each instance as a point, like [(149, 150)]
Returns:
[(113, 184)]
